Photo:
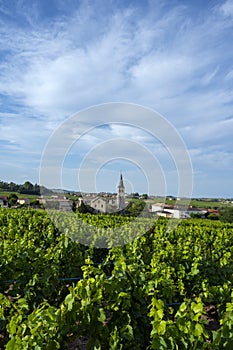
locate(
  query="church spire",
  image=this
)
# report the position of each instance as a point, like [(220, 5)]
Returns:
[(121, 194), (121, 184)]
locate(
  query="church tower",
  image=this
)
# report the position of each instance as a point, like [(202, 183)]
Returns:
[(121, 194)]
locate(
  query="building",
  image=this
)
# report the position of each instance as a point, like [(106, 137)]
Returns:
[(108, 203), (177, 212), (99, 204), (104, 204), (56, 203), (121, 195), (65, 205), (23, 201), (4, 202)]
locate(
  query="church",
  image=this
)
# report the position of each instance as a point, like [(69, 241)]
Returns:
[(109, 203)]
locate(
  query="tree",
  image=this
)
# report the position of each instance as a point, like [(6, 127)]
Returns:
[(37, 189), (12, 187), (196, 215), (145, 196), (27, 187), (84, 208), (226, 215), (34, 203), (12, 199), (135, 207), (74, 206), (213, 216)]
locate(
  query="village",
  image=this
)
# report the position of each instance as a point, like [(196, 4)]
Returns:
[(111, 203)]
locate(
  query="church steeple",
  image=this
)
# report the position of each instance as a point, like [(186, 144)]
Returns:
[(121, 194), (121, 184)]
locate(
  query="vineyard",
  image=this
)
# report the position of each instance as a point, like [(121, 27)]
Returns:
[(166, 289)]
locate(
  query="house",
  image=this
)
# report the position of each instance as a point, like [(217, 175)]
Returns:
[(4, 202), (104, 204), (164, 213), (213, 211), (56, 203), (177, 212), (65, 205), (99, 204), (161, 207), (201, 212), (157, 207), (23, 201)]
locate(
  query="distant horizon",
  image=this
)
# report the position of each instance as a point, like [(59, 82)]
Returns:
[(114, 192)]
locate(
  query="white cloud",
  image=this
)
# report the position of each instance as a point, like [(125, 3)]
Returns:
[(227, 8), (209, 76), (164, 58), (56, 71), (229, 75), (209, 133)]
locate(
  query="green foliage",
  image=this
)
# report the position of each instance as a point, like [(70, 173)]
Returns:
[(144, 196), (84, 208), (12, 199), (224, 338), (26, 188), (213, 216), (34, 203), (196, 215), (38, 330), (182, 329), (152, 293), (226, 215), (135, 207)]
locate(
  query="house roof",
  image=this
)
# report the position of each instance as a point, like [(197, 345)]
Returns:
[(213, 211), (99, 198)]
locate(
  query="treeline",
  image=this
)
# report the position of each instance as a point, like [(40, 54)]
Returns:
[(26, 188)]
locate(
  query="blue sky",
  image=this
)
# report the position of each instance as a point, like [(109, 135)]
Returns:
[(175, 57)]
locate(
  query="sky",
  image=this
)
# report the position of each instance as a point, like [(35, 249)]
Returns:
[(58, 58)]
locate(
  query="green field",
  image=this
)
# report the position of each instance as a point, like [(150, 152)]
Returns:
[(196, 203), (167, 289), (19, 195)]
